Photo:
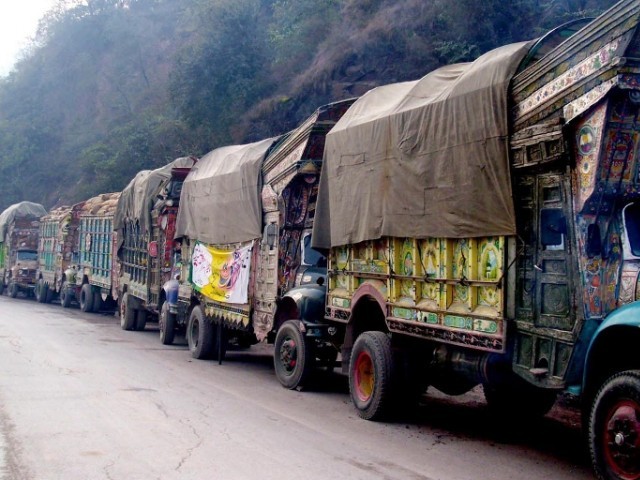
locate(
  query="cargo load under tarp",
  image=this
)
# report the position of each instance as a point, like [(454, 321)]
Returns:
[(19, 210), (423, 159), (220, 201), (138, 197)]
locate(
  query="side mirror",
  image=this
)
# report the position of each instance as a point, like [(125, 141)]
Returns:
[(271, 232)]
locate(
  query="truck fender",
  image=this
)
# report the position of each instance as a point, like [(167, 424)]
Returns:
[(171, 290), (309, 301), (612, 348)]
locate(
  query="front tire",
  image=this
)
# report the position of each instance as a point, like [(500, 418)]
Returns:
[(371, 375), (200, 334), (293, 356), (614, 428), (86, 298), (167, 324), (127, 313)]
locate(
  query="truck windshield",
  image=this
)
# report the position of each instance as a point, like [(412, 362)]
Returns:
[(175, 188), (27, 255), (632, 227), (310, 256)]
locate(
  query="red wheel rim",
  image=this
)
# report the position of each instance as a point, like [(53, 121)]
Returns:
[(621, 440), (364, 376), (289, 355)]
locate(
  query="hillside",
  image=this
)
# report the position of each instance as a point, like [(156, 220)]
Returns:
[(111, 87)]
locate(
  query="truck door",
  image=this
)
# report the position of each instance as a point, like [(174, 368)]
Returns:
[(545, 317)]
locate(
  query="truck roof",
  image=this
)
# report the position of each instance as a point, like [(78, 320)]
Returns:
[(222, 194), (22, 210), (430, 158), (138, 196)]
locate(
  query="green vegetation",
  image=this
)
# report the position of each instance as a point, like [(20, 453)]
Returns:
[(111, 87)]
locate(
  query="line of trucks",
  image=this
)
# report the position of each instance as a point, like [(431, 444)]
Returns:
[(479, 226)]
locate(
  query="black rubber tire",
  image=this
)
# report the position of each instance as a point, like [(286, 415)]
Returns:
[(293, 357), (65, 295), (97, 300), (141, 319), (127, 313), (1, 287), (200, 335), (614, 427), (41, 291), (167, 325), (510, 401), (86, 298), (13, 290), (371, 375)]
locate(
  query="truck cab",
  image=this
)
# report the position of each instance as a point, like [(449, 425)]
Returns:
[(22, 275)]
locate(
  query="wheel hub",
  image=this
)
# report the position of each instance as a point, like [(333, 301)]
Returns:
[(622, 440), (364, 376), (289, 354)]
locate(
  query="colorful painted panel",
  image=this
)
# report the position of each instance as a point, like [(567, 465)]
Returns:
[(449, 285), (588, 138)]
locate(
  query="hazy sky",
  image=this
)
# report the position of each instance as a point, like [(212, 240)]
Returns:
[(18, 22)]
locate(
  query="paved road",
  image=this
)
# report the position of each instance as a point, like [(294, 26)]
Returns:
[(82, 399)]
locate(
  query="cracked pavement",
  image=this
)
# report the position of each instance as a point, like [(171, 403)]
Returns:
[(82, 399)]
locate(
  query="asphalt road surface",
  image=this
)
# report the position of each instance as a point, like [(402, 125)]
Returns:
[(81, 399)]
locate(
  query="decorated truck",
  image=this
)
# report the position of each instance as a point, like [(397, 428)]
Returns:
[(482, 227), (89, 282), (57, 251), (145, 223), (19, 228), (245, 219)]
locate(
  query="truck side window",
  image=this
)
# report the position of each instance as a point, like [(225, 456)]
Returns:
[(632, 227), (310, 256), (553, 228)]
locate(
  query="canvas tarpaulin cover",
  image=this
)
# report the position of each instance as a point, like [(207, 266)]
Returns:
[(220, 201), (19, 211), (422, 159), (139, 195)]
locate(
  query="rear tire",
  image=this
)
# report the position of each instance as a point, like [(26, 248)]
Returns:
[(97, 301), (86, 298), (293, 356), (167, 324), (200, 333), (127, 313), (371, 375)]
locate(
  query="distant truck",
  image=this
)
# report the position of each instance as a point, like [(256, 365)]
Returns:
[(145, 224), (57, 252), (245, 218), (89, 282), (482, 227), (19, 228)]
